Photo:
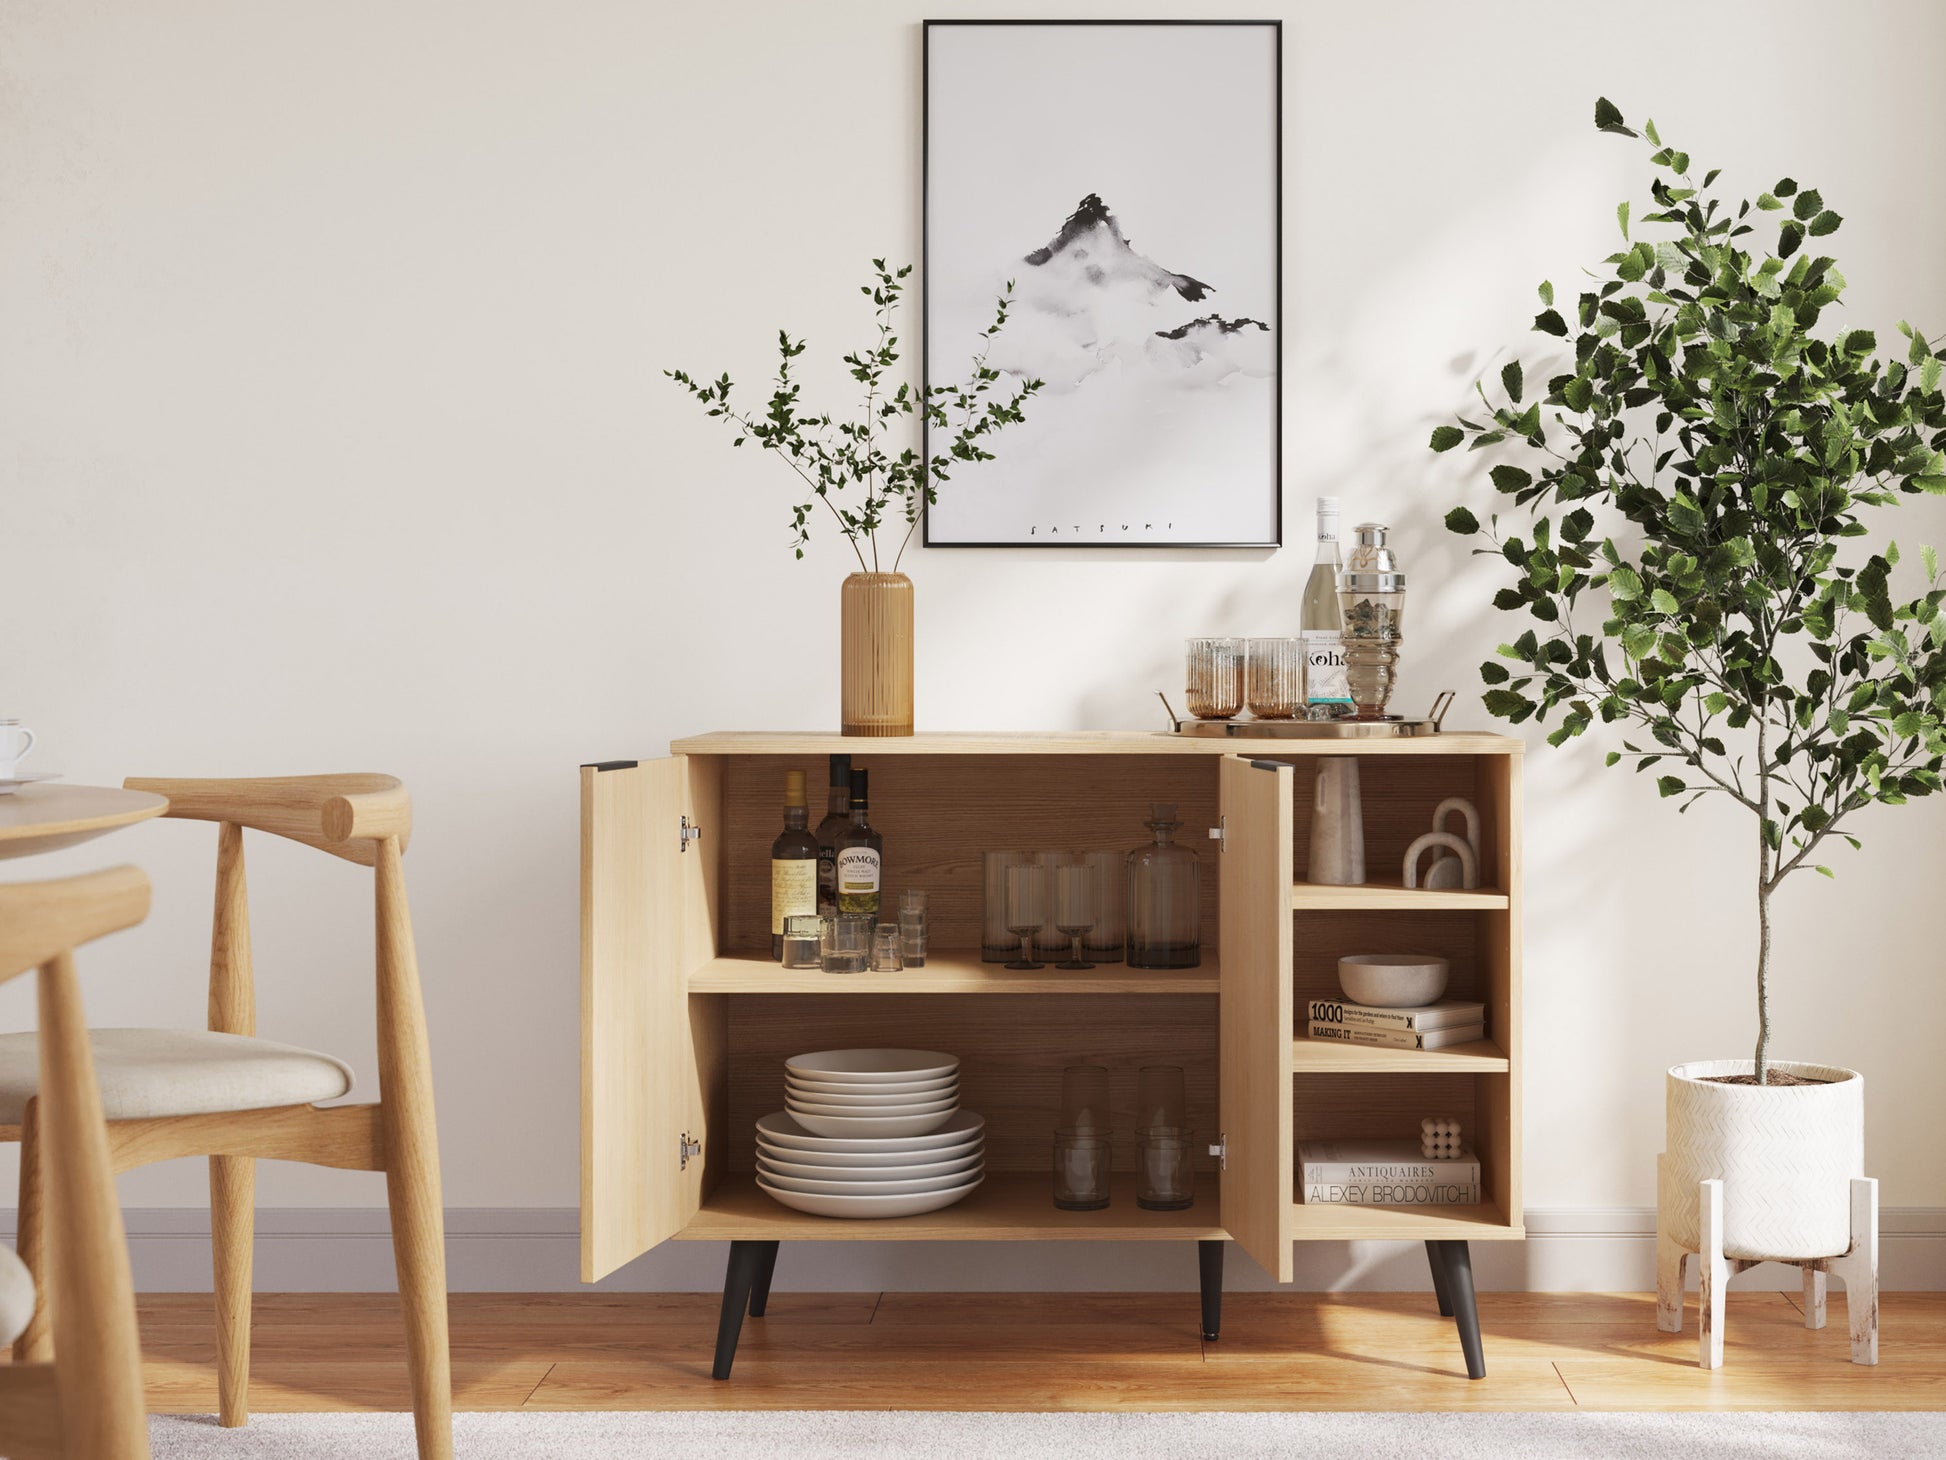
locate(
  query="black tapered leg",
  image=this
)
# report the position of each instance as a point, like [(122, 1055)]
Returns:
[(760, 1288), (1457, 1259), (1209, 1259), (747, 1259), (1437, 1263)]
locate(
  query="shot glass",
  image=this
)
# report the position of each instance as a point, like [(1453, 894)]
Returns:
[(887, 956)]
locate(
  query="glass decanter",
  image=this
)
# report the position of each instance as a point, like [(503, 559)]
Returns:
[(1165, 905)]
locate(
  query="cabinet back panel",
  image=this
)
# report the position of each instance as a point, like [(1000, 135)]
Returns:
[(1398, 794), (1011, 1047), (940, 813), (1379, 1106), (1322, 938)]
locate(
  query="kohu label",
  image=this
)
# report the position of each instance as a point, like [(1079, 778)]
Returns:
[(1324, 668)]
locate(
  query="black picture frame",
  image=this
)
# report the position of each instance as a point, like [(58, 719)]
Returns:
[(1276, 27)]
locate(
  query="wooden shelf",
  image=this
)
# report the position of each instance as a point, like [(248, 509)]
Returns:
[(1010, 1206), (1322, 1222), (1329, 1057), (947, 973), (1081, 742), (1390, 896)]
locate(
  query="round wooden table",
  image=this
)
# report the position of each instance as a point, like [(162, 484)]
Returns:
[(48, 816)]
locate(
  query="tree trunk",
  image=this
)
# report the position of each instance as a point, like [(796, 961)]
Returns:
[(1763, 982), (1763, 905)]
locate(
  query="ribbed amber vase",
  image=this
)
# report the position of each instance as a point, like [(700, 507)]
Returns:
[(876, 629)]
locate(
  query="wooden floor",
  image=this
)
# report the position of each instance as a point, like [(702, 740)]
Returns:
[(1371, 1351)]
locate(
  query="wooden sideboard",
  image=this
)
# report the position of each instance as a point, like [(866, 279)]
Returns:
[(686, 1020)]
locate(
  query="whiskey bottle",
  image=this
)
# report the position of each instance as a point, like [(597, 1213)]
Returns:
[(793, 864), (861, 855), (837, 817)]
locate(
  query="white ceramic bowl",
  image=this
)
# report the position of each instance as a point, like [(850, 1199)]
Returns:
[(807, 1084), (895, 1155), (1392, 980), (780, 1129), (873, 1066), (820, 1205), (866, 1188), (864, 1103), (783, 1165), (854, 1127)]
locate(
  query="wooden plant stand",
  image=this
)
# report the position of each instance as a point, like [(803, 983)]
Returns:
[(686, 1021), (1856, 1268)]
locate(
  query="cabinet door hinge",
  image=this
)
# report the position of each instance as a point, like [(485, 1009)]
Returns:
[(690, 832), (685, 1148), (1220, 834), (1221, 1150)]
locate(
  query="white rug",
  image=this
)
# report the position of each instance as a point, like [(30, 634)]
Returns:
[(879, 1435)]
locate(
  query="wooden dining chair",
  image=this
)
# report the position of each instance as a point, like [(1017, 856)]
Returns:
[(89, 1406), (233, 1097)]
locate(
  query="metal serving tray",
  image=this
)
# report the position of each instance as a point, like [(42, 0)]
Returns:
[(1392, 727)]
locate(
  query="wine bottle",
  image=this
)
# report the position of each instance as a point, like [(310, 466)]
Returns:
[(793, 864), (837, 817), (1327, 693), (861, 855)]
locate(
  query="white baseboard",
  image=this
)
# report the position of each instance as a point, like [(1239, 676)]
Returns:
[(536, 1249)]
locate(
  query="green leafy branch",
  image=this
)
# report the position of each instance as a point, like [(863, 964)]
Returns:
[(847, 463)]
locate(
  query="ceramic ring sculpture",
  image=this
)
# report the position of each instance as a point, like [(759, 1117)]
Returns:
[(1469, 864)]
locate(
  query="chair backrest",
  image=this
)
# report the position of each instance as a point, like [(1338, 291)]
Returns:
[(41, 919), (346, 815), (363, 818), (95, 1384)]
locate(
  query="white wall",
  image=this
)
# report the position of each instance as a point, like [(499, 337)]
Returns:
[(333, 436)]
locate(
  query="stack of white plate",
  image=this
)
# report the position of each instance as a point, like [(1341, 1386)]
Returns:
[(870, 1133)]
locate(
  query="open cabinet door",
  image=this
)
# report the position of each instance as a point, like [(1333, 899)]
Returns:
[(647, 893), (1255, 1023)]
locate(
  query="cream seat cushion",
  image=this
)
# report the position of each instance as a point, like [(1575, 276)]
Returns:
[(16, 1296), (149, 1072)]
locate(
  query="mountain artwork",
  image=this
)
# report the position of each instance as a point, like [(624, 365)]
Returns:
[(1150, 313)]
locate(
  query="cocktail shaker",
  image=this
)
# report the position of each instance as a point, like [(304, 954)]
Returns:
[(1371, 593)]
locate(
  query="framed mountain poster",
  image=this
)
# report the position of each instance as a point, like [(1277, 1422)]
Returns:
[(1125, 177)]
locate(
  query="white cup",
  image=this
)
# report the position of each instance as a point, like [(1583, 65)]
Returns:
[(15, 741)]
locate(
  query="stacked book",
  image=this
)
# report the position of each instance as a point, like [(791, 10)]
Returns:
[(1434, 1026), (1384, 1173)]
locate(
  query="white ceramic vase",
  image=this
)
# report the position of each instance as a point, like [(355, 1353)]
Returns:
[(1786, 1155)]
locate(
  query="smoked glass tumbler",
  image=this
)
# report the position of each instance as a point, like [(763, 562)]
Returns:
[(1165, 1171), (1273, 678), (997, 945), (1081, 1163), (1158, 1098), (1084, 1099), (1215, 688), (1107, 940)]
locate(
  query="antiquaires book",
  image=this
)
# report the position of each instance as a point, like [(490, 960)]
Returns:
[(1399, 1038), (1431, 1016), (1384, 1173)]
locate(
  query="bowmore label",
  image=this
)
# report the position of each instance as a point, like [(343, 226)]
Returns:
[(858, 871)]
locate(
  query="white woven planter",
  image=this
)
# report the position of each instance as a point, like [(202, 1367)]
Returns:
[(1786, 1155)]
